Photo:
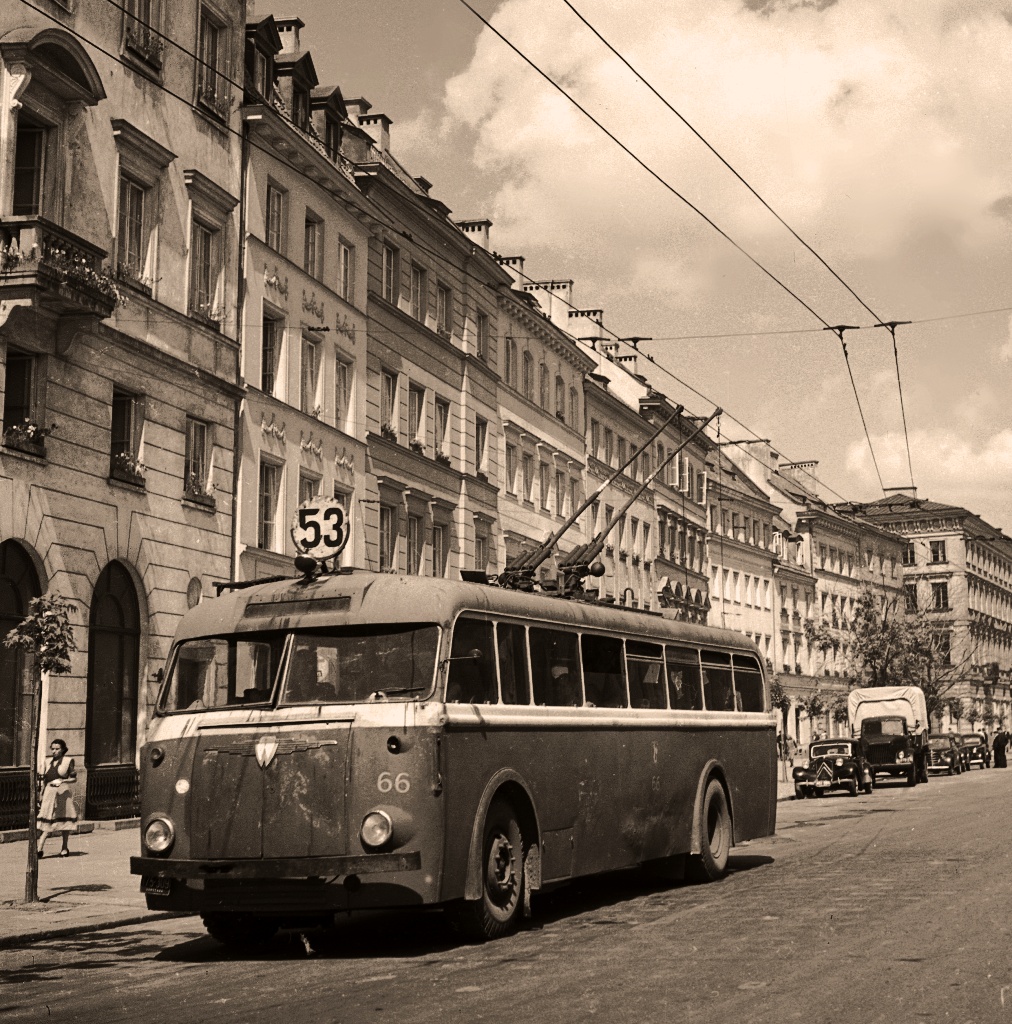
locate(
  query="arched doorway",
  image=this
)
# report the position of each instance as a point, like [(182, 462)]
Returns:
[(19, 583), (114, 633)]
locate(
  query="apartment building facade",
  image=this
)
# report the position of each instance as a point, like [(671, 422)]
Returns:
[(119, 181)]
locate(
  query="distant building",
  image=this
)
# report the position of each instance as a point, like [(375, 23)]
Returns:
[(957, 570)]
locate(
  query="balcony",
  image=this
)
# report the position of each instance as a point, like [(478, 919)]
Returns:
[(51, 269)]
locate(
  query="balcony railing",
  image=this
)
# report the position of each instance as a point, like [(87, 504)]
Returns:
[(57, 269)]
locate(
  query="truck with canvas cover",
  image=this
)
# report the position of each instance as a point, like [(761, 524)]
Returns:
[(890, 722)]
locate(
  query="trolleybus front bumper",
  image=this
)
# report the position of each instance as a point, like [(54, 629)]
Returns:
[(282, 867)]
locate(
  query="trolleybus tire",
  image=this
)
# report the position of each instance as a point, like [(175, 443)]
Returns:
[(710, 863), (238, 930), (498, 911)]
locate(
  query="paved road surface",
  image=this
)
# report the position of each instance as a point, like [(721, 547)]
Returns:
[(889, 908)]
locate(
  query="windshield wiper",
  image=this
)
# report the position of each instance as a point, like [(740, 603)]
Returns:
[(396, 691)]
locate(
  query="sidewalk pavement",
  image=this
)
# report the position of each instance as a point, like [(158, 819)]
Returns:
[(90, 890)]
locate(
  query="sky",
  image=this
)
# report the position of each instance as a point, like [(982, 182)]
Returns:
[(879, 130)]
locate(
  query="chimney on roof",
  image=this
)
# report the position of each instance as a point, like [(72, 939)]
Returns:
[(803, 473), (357, 107), (555, 298), (586, 325), (288, 29), (378, 126), (477, 231)]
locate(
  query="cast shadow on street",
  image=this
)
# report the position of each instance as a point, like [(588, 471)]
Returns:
[(624, 896)]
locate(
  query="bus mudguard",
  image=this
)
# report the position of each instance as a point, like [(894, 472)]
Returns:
[(515, 789), (712, 769)]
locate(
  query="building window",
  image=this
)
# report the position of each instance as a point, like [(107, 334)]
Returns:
[(439, 551), (387, 538), (390, 273), (346, 270), (595, 438), (937, 551), (943, 647), (414, 539), (312, 256), (574, 408), (442, 441), (196, 462), (482, 336), (203, 277), (211, 80), (528, 471), (131, 243), (940, 597), (621, 451), (444, 310), (910, 596), (418, 293), (267, 519), (544, 483), (19, 390), (560, 492), (137, 32), (560, 399), (29, 155), (388, 404), (276, 204), (511, 468), (263, 74), (480, 551), (300, 108), (528, 377), (609, 446), (574, 485), (543, 386), (270, 353), (332, 139), (342, 393), (510, 363), (309, 395), (416, 409), (480, 441), (309, 487)]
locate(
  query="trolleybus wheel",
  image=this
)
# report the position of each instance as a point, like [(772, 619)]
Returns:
[(711, 861), (241, 931), (498, 911)]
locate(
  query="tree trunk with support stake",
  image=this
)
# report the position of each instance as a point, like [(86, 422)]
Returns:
[(32, 871)]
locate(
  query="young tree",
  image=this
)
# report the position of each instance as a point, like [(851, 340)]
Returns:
[(814, 705), (782, 703), (838, 709), (973, 715), (956, 709), (46, 634)]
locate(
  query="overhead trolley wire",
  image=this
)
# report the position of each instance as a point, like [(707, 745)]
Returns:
[(397, 229)]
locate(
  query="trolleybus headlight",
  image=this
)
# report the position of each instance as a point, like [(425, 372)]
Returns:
[(159, 835), (377, 828)]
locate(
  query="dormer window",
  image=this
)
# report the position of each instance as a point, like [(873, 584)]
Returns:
[(263, 74), (333, 138), (300, 108)]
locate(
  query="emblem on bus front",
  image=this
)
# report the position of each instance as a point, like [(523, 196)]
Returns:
[(266, 747)]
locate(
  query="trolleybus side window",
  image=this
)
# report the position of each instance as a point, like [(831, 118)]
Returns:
[(645, 667), (748, 684), (718, 689), (514, 674), (218, 672), (472, 669), (555, 668), (346, 664), (684, 688), (603, 675)]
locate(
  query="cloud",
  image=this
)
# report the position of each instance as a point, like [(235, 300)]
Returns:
[(948, 467)]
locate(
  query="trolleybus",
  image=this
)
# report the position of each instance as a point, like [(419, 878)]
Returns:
[(356, 740)]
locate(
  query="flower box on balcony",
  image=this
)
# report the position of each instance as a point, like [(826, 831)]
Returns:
[(199, 498), (130, 277), (388, 432), (417, 446), (208, 317), (142, 42), (442, 458)]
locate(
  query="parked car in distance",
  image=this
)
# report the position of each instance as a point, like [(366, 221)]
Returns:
[(976, 750), (945, 754), (832, 764)]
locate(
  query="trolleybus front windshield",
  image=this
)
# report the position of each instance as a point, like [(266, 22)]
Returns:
[(330, 665)]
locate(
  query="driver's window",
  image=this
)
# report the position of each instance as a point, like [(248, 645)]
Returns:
[(472, 678)]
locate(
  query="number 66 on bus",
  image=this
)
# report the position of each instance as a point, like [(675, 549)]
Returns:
[(320, 527)]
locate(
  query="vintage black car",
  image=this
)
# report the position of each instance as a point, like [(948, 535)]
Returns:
[(832, 764), (975, 750), (945, 754)]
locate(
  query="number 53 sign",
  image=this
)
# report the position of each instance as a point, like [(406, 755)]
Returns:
[(320, 528)]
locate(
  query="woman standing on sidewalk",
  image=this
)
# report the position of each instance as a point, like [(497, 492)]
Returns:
[(58, 813)]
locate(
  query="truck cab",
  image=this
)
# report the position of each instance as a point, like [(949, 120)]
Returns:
[(888, 722)]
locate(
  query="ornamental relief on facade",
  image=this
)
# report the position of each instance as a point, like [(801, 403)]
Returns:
[(275, 282)]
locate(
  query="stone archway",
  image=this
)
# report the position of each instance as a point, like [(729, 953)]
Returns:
[(114, 633)]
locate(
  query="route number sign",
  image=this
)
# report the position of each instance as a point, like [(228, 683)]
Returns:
[(320, 527)]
